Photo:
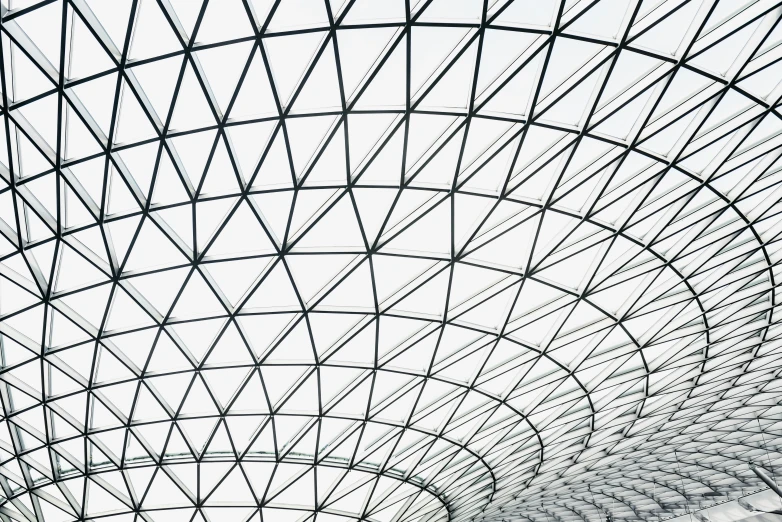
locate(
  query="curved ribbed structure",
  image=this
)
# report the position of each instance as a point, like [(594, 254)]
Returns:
[(393, 261)]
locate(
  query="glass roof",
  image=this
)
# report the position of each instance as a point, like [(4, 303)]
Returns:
[(390, 260)]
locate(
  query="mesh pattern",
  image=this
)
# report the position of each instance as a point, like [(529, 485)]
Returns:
[(394, 261)]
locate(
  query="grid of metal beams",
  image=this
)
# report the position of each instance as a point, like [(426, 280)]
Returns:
[(333, 260)]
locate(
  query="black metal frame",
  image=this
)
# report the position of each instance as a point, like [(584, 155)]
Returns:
[(696, 382)]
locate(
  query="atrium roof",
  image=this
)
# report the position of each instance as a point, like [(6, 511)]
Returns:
[(389, 260)]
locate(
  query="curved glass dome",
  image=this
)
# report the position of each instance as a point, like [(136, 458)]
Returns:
[(389, 260)]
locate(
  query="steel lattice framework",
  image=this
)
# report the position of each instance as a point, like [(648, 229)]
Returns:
[(334, 260)]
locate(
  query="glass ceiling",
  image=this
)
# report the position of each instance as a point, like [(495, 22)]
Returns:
[(389, 260)]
